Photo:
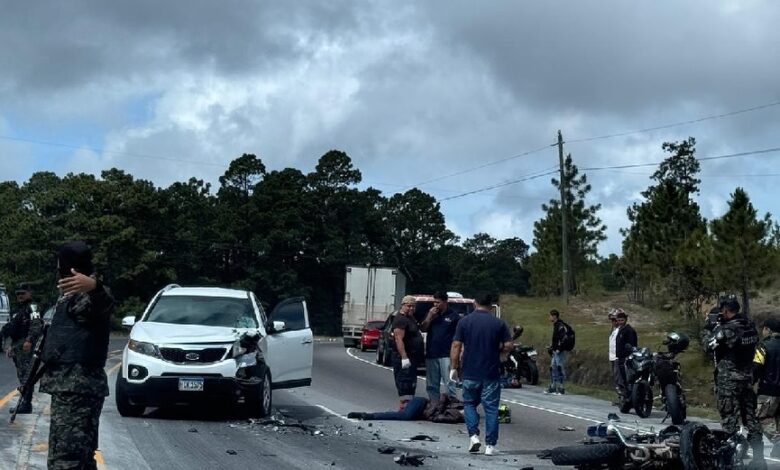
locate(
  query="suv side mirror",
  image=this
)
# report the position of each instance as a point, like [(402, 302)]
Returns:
[(275, 326), (128, 321)]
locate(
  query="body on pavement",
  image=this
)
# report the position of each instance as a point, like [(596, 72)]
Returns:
[(484, 341), (75, 354), (440, 324)]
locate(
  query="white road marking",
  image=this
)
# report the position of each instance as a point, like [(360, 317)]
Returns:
[(328, 410)]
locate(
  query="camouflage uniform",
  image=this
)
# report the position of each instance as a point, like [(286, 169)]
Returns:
[(25, 326), (767, 372), (734, 344), (75, 354)]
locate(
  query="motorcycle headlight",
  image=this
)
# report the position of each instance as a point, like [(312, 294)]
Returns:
[(140, 347)]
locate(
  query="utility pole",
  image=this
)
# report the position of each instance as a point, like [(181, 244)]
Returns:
[(564, 232)]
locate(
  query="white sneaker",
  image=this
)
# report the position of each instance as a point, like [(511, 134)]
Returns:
[(474, 444), (490, 450)]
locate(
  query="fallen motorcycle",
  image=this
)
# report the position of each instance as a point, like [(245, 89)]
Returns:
[(521, 361), (693, 445)]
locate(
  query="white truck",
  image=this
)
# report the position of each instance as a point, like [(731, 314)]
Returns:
[(5, 306), (370, 293)]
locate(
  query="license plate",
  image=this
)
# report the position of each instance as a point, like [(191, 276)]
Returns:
[(187, 384)]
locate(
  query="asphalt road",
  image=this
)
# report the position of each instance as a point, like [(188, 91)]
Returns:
[(344, 380)]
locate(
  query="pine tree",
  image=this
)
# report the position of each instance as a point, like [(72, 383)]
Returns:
[(743, 245), (585, 231)]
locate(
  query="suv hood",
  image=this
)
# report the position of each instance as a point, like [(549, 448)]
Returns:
[(167, 333)]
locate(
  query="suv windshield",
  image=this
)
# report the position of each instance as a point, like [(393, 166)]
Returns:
[(206, 311)]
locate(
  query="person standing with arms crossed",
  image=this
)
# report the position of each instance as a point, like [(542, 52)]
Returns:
[(409, 350), (484, 342), (440, 324), (74, 354)]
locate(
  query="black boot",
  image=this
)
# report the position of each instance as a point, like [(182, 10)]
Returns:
[(356, 415), (25, 408)]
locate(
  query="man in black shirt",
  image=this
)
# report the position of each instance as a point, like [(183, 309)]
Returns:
[(408, 352), (440, 325)]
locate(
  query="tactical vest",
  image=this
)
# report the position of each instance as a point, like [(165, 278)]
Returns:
[(69, 342), (770, 381), (743, 344)]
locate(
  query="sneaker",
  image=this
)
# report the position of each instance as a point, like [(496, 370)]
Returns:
[(490, 450), (474, 444), (550, 390), (561, 391)]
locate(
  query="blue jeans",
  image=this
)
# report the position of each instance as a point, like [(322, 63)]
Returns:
[(487, 392), (557, 364), (437, 373), (414, 410)]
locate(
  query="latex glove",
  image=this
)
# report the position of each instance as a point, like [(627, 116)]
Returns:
[(453, 375), (406, 363), (713, 343)]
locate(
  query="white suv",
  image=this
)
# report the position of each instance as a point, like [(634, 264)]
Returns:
[(207, 345)]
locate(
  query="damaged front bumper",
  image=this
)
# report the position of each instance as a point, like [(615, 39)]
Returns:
[(165, 390)]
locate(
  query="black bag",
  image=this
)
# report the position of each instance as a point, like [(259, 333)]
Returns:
[(567, 343)]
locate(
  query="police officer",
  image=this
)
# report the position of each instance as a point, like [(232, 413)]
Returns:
[(766, 371), (75, 355), (734, 342), (24, 328)]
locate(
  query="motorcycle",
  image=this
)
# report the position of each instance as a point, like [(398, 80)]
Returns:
[(644, 369), (694, 445), (521, 362)]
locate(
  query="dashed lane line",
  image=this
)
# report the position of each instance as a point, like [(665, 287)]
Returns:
[(328, 410)]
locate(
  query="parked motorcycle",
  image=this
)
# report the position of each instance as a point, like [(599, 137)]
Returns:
[(694, 445), (521, 362), (644, 369)]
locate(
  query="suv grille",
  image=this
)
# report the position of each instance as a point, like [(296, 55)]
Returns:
[(196, 356)]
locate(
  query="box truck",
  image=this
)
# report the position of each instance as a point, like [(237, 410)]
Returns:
[(370, 293)]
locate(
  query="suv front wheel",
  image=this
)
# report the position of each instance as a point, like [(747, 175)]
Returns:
[(123, 404), (259, 404)]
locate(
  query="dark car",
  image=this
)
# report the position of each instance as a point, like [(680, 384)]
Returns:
[(370, 336)]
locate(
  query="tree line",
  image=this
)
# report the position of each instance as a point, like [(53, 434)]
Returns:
[(278, 233), (285, 233)]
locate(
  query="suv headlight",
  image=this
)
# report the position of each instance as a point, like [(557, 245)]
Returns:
[(140, 347), (237, 349)]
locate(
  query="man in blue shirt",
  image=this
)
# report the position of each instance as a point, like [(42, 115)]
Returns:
[(440, 325), (484, 341)]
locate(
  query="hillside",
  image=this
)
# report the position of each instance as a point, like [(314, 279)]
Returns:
[(588, 367)]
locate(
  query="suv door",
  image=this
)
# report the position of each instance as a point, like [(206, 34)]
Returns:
[(290, 352)]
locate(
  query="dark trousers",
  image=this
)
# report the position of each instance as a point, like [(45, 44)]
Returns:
[(405, 379), (413, 410), (73, 435), (619, 377)]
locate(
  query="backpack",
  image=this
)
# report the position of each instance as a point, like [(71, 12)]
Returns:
[(567, 343)]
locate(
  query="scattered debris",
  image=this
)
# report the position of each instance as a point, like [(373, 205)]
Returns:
[(565, 428), (192, 430), (527, 468), (613, 417), (409, 460), (231, 452), (422, 437), (386, 450)]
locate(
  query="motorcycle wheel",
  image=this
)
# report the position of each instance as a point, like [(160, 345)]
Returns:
[(642, 399), (697, 448), (675, 404), (601, 453), (533, 373)]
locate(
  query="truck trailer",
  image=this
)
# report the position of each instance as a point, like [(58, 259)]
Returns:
[(370, 293)]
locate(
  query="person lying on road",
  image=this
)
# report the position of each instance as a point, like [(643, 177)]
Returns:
[(447, 410)]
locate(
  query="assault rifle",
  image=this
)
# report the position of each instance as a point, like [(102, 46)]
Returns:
[(36, 372)]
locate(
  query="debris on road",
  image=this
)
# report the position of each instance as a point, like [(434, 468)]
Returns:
[(613, 417), (421, 437), (565, 428), (409, 460), (544, 454), (231, 452), (386, 450), (192, 430)]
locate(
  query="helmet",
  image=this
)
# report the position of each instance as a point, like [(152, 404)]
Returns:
[(676, 342)]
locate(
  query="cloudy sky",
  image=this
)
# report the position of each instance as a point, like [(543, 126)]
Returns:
[(414, 91)]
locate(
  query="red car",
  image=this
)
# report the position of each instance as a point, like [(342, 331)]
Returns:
[(370, 337)]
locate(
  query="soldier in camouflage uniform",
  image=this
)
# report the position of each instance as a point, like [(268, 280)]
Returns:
[(24, 329), (734, 342), (75, 355), (766, 371)]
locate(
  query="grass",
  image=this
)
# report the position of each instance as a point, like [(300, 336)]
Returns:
[(588, 366)]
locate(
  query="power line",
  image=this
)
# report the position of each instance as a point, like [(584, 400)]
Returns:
[(108, 152), (676, 124), (500, 185), (718, 157)]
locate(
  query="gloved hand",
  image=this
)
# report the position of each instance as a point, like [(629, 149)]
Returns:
[(406, 363), (454, 375), (713, 343)]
